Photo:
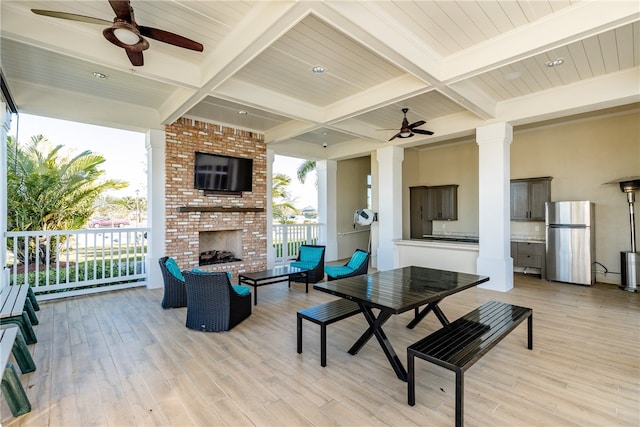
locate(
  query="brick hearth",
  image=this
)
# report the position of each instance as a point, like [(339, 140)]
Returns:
[(183, 139)]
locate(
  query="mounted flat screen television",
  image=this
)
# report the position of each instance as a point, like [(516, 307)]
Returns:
[(222, 173)]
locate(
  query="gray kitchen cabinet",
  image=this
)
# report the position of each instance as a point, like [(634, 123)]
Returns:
[(418, 205), (528, 197), (443, 202), (529, 255)]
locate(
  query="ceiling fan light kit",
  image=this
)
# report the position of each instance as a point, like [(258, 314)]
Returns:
[(125, 36)]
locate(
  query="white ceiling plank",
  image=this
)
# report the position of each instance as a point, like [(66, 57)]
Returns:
[(457, 14), (594, 53), (609, 56), (625, 45), (578, 57), (497, 15)]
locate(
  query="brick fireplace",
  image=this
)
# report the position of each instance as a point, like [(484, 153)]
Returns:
[(197, 222)]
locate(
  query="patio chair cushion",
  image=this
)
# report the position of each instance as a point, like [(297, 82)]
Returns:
[(174, 268), (241, 289), (357, 259), (358, 264), (304, 265), (337, 270), (311, 255)]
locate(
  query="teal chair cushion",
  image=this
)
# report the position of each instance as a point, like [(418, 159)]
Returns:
[(312, 255), (174, 268), (304, 265), (241, 289), (356, 260), (337, 270)]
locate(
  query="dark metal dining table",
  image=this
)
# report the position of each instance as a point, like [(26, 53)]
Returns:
[(397, 291)]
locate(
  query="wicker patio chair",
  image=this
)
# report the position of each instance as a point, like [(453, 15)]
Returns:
[(175, 294), (212, 302), (358, 264), (310, 257)]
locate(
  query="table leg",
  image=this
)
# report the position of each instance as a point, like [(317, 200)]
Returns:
[(255, 294), (307, 282), (375, 328), (436, 310)]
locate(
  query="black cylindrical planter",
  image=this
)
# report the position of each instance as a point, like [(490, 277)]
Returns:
[(630, 271)]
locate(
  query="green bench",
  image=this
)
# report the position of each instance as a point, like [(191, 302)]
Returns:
[(18, 306), (323, 315), (463, 342), (11, 341)]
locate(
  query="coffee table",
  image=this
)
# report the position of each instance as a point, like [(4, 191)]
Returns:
[(268, 277)]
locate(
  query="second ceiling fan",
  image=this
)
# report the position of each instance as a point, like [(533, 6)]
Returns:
[(408, 130), (124, 32)]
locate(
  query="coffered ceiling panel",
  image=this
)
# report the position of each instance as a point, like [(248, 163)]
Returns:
[(45, 68), (609, 52), (286, 66)]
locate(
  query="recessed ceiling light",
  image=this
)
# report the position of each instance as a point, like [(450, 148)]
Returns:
[(98, 75), (318, 69), (555, 63), (243, 112)]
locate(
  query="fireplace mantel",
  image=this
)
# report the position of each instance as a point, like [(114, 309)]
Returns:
[(217, 209)]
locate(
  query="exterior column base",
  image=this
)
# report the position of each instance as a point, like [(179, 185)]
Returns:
[(500, 272)]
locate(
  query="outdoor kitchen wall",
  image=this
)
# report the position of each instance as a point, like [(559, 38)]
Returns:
[(183, 139)]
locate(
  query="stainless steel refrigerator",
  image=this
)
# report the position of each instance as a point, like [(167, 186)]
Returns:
[(570, 232)]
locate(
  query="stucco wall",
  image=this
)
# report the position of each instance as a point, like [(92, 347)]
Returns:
[(351, 178)]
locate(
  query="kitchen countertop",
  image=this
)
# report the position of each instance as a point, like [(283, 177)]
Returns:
[(527, 238), (450, 238), (470, 238)]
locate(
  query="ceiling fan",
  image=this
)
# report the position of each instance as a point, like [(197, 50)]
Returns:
[(125, 33), (408, 130)]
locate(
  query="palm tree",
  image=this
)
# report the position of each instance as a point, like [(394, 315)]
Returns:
[(49, 191), (305, 169), (282, 205)]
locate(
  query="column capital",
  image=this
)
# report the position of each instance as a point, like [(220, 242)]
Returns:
[(390, 152), (497, 132)]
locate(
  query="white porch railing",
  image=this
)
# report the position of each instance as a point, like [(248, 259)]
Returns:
[(287, 239), (77, 262), (73, 262)]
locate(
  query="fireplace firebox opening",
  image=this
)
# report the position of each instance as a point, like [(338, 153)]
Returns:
[(218, 247)]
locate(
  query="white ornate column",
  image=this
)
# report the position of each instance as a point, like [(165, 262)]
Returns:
[(327, 171), (494, 259), (156, 214), (389, 209)]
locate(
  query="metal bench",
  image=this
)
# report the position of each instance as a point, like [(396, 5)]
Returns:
[(17, 307), (12, 341), (323, 315), (458, 345)]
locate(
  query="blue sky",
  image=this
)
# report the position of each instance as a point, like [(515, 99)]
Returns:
[(125, 153)]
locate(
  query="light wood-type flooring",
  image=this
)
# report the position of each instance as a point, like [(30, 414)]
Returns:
[(119, 359)]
